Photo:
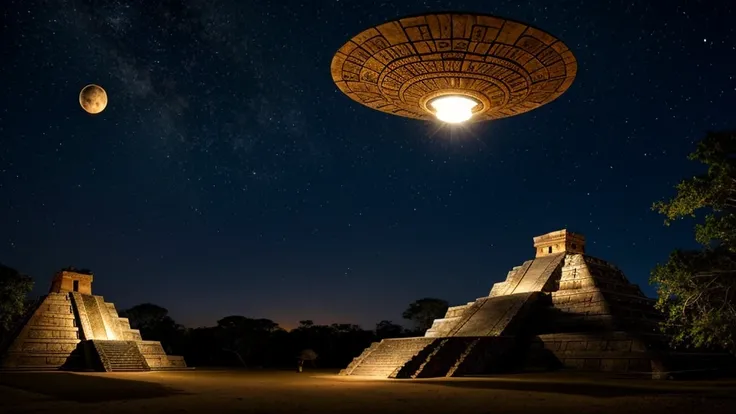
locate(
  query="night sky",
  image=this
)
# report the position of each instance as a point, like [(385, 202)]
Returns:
[(228, 174)]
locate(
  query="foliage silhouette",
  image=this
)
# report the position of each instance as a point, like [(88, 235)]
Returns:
[(697, 288), (14, 287), (155, 324), (424, 311)]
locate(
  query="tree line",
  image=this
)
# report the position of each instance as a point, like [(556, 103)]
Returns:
[(236, 340), (241, 341), (696, 289)]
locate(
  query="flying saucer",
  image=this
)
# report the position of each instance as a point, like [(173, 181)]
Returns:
[(454, 67)]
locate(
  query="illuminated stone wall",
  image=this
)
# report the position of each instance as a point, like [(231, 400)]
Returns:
[(47, 338), (66, 321), (560, 309)]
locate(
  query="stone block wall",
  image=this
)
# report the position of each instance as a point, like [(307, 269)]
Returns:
[(128, 334), (595, 295), (110, 318), (48, 338), (610, 352), (486, 355), (156, 357)]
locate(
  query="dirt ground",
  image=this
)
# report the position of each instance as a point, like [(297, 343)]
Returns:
[(212, 391)]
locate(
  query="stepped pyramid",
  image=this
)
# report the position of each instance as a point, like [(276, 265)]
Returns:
[(72, 329), (562, 309)]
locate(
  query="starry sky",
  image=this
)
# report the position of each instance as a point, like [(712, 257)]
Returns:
[(228, 175)]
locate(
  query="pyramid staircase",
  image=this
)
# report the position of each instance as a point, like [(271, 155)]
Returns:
[(425, 357), (119, 355), (390, 358)]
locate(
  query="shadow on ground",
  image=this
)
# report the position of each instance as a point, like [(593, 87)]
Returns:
[(593, 388), (85, 388)]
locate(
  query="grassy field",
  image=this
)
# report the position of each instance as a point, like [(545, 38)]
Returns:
[(212, 391)]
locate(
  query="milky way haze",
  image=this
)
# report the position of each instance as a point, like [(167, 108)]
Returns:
[(228, 175)]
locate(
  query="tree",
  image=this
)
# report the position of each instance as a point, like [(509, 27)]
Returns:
[(697, 292), (145, 316), (154, 323), (388, 329), (336, 344), (424, 311), (14, 287), (245, 338), (697, 289)]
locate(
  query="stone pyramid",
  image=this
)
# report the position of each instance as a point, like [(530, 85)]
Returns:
[(562, 309), (72, 329)]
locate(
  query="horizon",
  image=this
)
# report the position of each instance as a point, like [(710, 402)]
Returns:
[(229, 175), (290, 325)]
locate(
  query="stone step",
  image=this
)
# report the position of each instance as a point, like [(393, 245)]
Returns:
[(121, 355), (129, 370), (390, 352), (52, 341), (387, 359), (384, 362), (62, 315), (58, 297), (383, 358), (55, 322), (57, 294), (52, 332), (53, 328), (57, 301), (38, 354), (373, 371), (56, 308)]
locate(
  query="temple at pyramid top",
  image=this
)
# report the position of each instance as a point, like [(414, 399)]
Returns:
[(69, 280), (560, 241)]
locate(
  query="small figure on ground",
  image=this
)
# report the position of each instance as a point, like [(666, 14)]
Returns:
[(306, 355)]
